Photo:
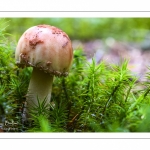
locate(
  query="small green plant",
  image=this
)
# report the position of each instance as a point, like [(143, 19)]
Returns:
[(39, 118)]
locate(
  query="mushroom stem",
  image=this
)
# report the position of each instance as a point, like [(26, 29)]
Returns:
[(40, 86)]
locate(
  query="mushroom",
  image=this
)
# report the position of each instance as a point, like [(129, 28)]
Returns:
[(49, 51)]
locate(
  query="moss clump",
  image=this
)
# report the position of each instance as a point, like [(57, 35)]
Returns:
[(93, 98)]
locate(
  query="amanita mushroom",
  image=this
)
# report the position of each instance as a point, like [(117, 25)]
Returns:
[(49, 51)]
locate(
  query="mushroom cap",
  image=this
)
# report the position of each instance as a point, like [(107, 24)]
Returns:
[(45, 47)]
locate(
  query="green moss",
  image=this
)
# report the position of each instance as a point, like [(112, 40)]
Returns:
[(93, 98)]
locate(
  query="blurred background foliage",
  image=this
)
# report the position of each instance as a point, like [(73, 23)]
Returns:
[(85, 29)]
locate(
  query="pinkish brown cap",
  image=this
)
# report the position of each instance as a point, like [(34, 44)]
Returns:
[(45, 47)]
